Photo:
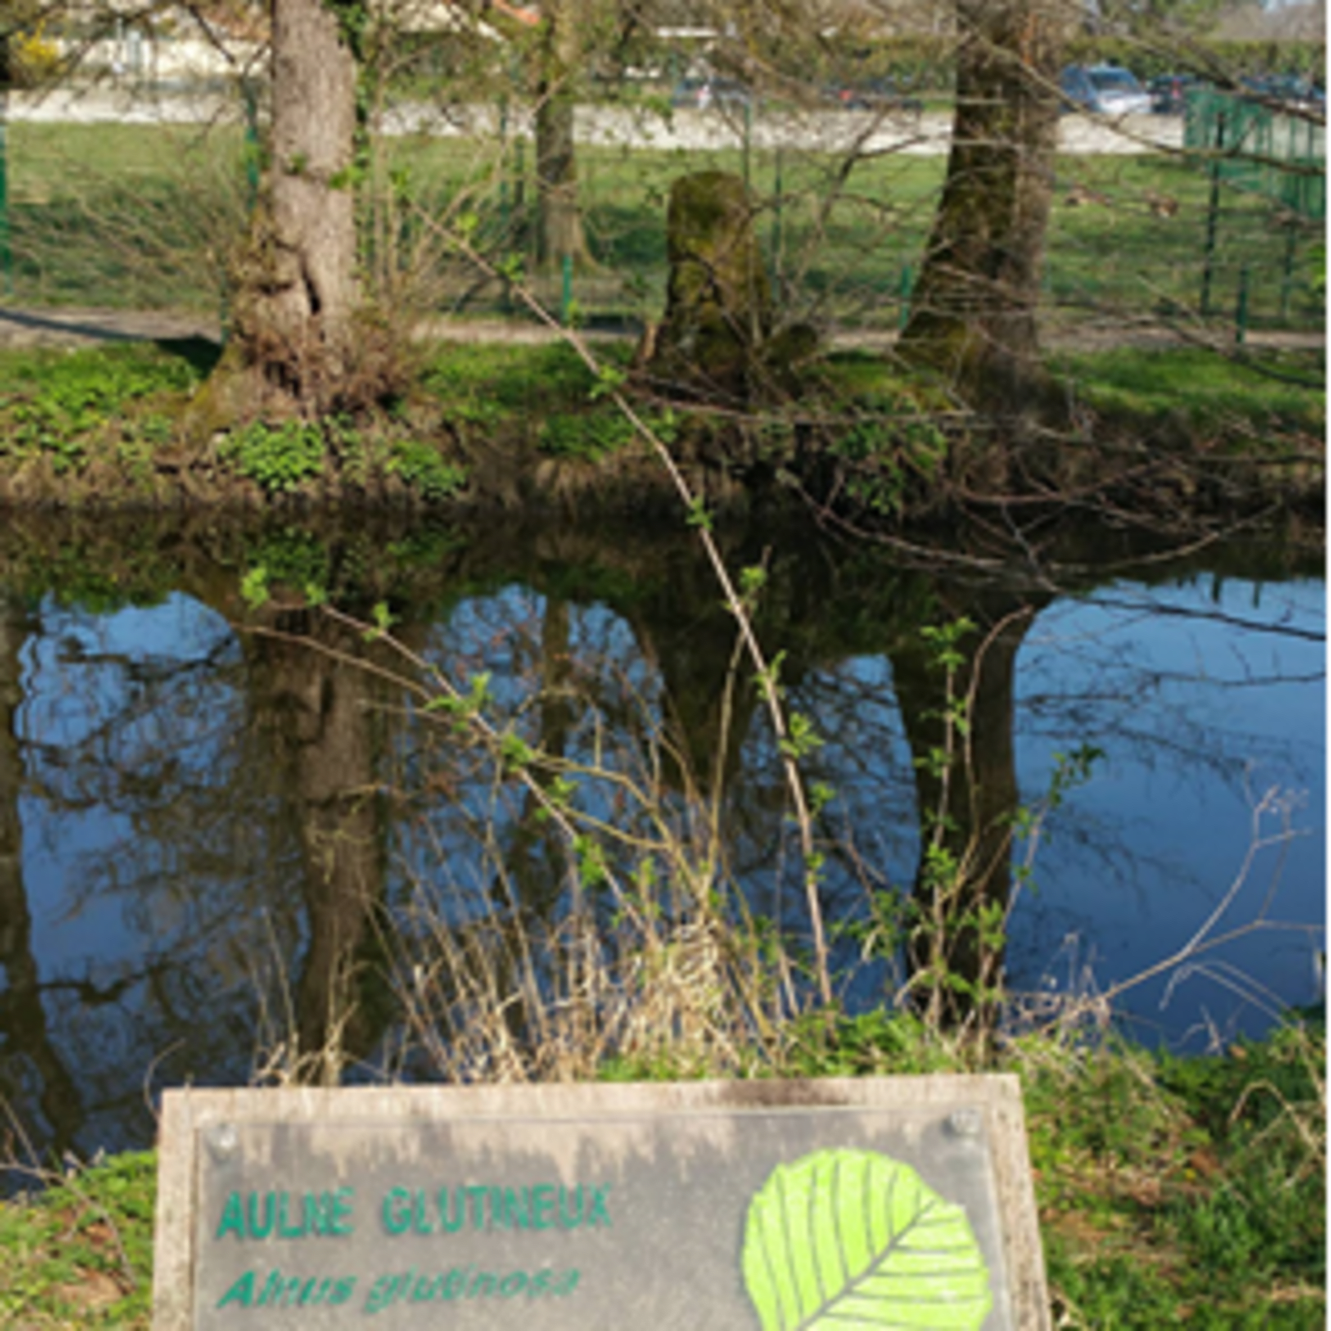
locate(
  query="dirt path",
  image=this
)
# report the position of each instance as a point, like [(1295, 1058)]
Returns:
[(77, 327), (90, 327)]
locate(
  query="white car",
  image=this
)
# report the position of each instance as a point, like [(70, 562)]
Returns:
[(1107, 90)]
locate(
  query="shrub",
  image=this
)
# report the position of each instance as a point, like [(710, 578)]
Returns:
[(278, 458), (420, 466)]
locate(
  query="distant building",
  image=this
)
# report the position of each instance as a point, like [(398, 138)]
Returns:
[(1273, 22)]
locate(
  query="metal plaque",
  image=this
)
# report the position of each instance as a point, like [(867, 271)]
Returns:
[(887, 1202)]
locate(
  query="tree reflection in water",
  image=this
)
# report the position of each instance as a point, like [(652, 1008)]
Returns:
[(23, 1021), (222, 847)]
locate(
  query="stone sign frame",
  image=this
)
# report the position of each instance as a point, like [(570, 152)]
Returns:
[(983, 1105)]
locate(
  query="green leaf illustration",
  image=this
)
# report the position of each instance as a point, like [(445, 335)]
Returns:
[(845, 1238)]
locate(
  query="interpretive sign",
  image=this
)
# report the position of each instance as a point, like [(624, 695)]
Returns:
[(712, 1206)]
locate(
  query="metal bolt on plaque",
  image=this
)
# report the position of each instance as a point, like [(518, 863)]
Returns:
[(964, 1122), (222, 1141)]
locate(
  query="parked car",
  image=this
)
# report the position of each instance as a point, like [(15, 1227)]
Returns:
[(1107, 90), (1169, 93), (1287, 89), (883, 94), (710, 90)]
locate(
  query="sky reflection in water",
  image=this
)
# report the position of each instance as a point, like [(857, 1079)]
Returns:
[(150, 922)]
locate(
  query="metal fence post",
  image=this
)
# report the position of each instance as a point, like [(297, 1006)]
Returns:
[(520, 180), (1241, 309), (1212, 213), (748, 136), (505, 218), (252, 150), (249, 98), (1287, 269), (566, 290), (6, 254)]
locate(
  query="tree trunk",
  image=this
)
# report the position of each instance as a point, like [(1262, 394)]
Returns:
[(559, 230), (718, 302), (973, 311), (295, 293)]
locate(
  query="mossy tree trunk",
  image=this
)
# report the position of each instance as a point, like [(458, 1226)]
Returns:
[(295, 292), (973, 311), (718, 300)]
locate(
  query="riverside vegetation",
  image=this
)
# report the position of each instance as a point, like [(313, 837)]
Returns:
[(153, 216), (501, 424), (1172, 1191)]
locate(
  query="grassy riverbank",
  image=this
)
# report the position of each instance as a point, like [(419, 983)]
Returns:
[(497, 422), (1172, 1191)]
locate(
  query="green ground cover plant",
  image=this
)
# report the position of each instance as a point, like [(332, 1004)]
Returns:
[(590, 437), (106, 420), (486, 383), (77, 1251), (277, 457), (546, 391), (1177, 1190), (1271, 392), (421, 467), (109, 416), (119, 402)]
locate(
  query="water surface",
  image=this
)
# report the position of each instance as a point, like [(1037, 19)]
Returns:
[(197, 802)]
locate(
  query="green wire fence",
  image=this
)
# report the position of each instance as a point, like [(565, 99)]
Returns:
[(135, 215)]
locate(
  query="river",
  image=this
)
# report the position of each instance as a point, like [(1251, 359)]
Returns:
[(208, 812)]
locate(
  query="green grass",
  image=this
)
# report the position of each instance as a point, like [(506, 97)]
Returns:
[(133, 216), (1118, 251), (101, 417), (1184, 1191), (489, 384), (1171, 1191), (483, 380), (124, 217), (1268, 393), (80, 1253), (546, 390)]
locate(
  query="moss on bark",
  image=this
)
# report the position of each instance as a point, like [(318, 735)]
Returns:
[(719, 304)]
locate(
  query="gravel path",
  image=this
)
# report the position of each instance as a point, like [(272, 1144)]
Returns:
[(75, 327), (91, 327)]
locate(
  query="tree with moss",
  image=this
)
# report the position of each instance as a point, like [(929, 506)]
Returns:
[(973, 312)]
